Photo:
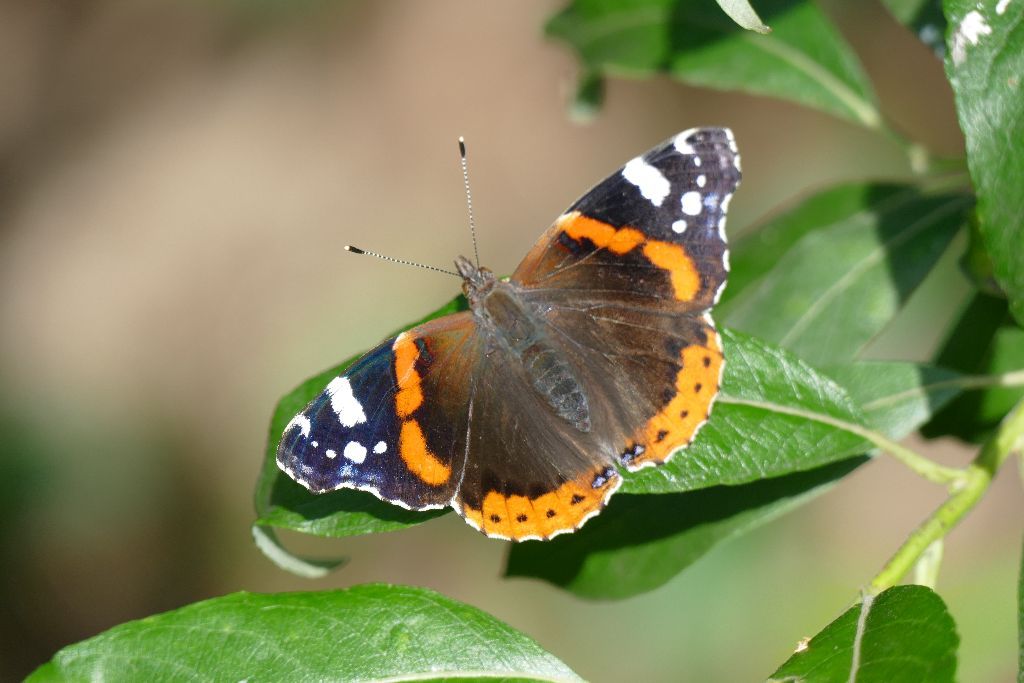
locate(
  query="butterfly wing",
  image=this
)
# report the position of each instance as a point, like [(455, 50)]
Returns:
[(530, 474), (372, 428), (651, 234), (626, 277)]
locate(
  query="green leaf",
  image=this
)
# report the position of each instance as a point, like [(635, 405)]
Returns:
[(776, 415), (897, 397), (804, 59), (282, 503), (839, 286), (757, 251), (984, 341), (743, 14), (371, 632), (985, 66), (640, 542), (924, 18), (904, 635)]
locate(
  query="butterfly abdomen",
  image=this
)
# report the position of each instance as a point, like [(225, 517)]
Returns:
[(554, 379)]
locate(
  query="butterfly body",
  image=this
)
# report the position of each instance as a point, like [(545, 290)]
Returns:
[(511, 325), (598, 353)]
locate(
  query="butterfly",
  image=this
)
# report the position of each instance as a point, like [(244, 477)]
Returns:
[(597, 355)]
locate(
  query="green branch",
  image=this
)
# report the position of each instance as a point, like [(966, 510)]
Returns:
[(975, 481)]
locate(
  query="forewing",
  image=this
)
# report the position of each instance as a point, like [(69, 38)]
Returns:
[(651, 234), (395, 423)]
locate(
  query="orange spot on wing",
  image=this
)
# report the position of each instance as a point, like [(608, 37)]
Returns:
[(495, 516), (579, 227), (665, 255), (410, 393), (675, 425), (674, 259), (473, 516), (625, 239), (418, 458)]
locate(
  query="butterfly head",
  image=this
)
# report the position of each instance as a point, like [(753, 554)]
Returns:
[(476, 280)]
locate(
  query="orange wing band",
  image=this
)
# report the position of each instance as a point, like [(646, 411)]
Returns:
[(566, 508), (665, 255), (675, 425), (412, 443)]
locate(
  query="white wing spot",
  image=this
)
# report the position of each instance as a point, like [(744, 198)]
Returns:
[(679, 226), (682, 145), (1001, 7), (721, 228), (355, 451), (331, 454), (970, 31), (316, 444), (348, 409), (702, 180), (651, 182), (696, 161), (380, 447), (300, 421), (692, 203)]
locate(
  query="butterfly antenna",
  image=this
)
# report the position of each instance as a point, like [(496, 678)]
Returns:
[(356, 250), (469, 197)]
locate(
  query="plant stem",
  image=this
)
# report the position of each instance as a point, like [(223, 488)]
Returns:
[(975, 481), (1014, 378), (930, 470)]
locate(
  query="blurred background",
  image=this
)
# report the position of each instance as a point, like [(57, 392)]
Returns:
[(177, 181)]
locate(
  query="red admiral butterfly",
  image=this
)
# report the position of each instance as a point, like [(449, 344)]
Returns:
[(599, 351)]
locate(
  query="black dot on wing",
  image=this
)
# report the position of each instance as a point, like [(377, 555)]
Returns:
[(685, 414), (697, 387), (661, 435), (550, 513), (576, 499), (674, 345), (571, 245), (521, 518), (495, 518), (707, 361)]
